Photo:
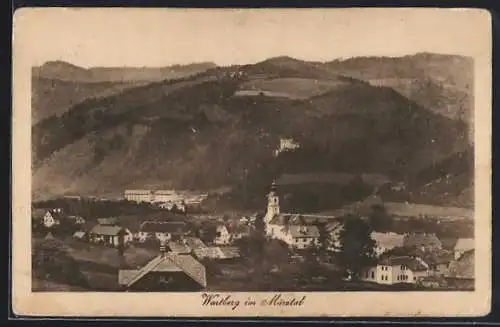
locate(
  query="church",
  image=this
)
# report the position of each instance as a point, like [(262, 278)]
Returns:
[(299, 231)]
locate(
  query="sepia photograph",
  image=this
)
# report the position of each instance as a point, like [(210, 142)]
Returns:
[(269, 162)]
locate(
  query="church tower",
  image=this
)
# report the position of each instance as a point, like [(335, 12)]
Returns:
[(273, 204)]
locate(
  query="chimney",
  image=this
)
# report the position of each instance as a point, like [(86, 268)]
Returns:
[(163, 248)]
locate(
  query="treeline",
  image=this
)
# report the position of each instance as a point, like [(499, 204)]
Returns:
[(93, 209)]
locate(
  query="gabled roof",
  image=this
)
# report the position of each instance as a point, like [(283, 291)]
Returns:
[(168, 262), (212, 252), (172, 227), (463, 267), (229, 252), (194, 242), (303, 231), (421, 239), (464, 244), (106, 230), (412, 263), (388, 240), (178, 248)]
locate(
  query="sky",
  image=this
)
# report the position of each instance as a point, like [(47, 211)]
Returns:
[(163, 37)]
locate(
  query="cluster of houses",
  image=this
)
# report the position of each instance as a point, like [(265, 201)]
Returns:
[(414, 258), (286, 144), (54, 217)]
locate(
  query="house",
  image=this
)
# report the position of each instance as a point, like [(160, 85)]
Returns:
[(79, 235), (438, 261), (461, 272), (49, 218), (162, 231), (303, 237), (238, 231), (463, 245), (138, 195), (396, 269), (222, 235), (77, 220), (167, 272), (217, 253), (423, 241), (110, 235), (386, 241)]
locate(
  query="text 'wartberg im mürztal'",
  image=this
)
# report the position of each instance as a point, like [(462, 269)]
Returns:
[(234, 302)]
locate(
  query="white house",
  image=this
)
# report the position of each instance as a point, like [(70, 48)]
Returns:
[(395, 270), (109, 235), (161, 231), (222, 235), (286, 144), (52, 217)]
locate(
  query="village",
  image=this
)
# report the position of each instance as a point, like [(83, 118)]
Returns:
[(171, 249)]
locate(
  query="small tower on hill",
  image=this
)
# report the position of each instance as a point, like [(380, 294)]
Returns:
[(273, 204)]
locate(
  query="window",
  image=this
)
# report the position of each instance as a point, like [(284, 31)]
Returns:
[(373, 274), (414, 278)]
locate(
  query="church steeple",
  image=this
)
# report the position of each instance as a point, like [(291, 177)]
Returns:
[(273, 203)]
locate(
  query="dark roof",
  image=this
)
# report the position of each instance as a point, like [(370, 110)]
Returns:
[(412, 263), (422, 239), (166, 262), (463, 267), (174, 227)]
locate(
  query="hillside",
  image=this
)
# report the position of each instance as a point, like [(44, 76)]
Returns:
[(442, 83), (54, 97), (197, 133), (64, 71)]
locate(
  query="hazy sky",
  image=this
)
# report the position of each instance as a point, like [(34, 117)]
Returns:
[(160, 37)]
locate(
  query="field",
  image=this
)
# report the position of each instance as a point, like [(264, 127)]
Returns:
[(292, 88)]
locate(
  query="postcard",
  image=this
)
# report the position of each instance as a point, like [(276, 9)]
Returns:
[(251, 162)]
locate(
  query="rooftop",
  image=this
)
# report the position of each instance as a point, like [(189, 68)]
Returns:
[(106, 230), (168, 262), (412, 263)]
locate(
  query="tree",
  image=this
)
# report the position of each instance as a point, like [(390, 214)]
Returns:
[(380, 219), (323, 236), (357, 246), (51, 261)]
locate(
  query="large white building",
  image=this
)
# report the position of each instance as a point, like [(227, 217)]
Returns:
[(139, 195)]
